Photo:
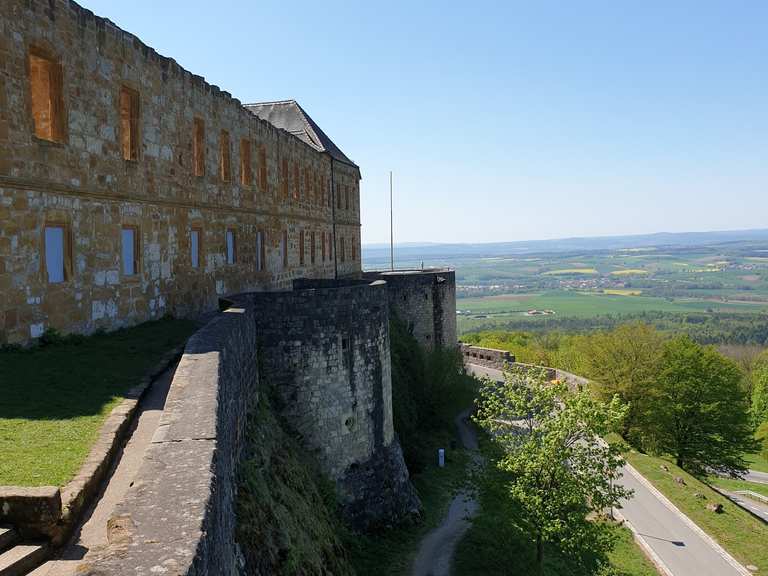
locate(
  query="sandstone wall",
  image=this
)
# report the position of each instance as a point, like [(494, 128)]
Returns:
[(426, 301), (83, 184)]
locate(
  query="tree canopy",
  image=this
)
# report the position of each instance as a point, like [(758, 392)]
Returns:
[(700, 411), (559, 469)]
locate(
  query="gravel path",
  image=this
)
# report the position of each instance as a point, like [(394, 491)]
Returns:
[(436, 550)]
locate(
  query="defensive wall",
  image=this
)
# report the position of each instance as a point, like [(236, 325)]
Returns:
[(425, 300), (131, 188), (501, 359), (323, 351)]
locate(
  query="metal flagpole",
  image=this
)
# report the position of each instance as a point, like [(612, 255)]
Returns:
[(391, 227)]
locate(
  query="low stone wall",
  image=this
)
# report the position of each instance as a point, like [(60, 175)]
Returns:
[(486, 356), (179, 516), (498, 359)]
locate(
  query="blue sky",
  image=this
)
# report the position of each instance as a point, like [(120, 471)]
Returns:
[(506, 120)]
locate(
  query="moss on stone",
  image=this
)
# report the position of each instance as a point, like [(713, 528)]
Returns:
[(287, 522)]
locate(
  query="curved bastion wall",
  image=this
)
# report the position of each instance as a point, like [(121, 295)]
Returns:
[(322, 352), (425, 300)]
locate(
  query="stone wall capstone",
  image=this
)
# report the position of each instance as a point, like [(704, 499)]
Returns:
[(179, 516)]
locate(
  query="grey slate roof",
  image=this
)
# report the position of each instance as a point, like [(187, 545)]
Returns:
[(290, 116)]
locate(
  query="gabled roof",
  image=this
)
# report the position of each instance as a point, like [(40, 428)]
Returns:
[(288, 115)]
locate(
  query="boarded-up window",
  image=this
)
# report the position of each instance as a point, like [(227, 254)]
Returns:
[(55, 253), (322, 246), (260, 248), (301, 248), (195, 247), (231, 247), (312, 247), (284, 249), (296, 181), (46, 95), (129, 123), (263, 168), (284, 177), (245, 162), (130, 250), (198, 147), (224, 152)]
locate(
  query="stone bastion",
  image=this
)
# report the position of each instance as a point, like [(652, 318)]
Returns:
[(322, 353)]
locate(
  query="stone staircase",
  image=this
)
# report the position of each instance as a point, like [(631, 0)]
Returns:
[(16, 558)]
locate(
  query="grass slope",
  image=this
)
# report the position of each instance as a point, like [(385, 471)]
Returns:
[(55, 397), (743, 535)]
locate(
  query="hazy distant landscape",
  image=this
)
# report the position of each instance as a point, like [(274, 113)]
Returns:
[(583, 283)]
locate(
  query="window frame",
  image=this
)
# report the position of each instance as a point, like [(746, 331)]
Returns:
[(198, 146), (67, 251), (57, 111), (134, 121), (136, 252), (246, 170), (232, 232), (196, 229)]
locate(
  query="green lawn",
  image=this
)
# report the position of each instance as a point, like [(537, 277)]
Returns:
[(586, 304), (756, 462), (743, 535), (734, 485), (55, 397), (498, 544)]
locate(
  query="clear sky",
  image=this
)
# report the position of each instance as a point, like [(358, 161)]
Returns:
[(506, 120)]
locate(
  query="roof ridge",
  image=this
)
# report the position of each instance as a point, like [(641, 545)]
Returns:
[(288, 101)]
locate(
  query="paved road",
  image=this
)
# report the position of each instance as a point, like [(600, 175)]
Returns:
[(755, 476), (756, 507), (677, 545), (435, 554)]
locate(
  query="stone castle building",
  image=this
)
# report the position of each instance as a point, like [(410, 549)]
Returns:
[(131, 188)]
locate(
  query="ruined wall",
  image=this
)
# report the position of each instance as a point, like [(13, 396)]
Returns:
[(83, 184), (425, 300), (325, 351)]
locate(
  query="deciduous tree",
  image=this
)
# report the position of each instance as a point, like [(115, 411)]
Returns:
[(560, 471), (700, 412)]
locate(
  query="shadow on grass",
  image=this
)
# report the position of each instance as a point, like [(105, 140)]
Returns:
[(79, 376)]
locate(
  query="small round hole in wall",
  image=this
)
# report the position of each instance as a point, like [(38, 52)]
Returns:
[(349, 422)]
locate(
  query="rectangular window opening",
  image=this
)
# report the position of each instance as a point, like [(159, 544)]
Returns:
[(260, 247), (224, 153), (195, 247), (56, 253), (198, 147), (312, 247), (263, 168), (129, 123), (130, 250), (284, 249), (46, 95), (301, 248), (245, 162), (231, 247)]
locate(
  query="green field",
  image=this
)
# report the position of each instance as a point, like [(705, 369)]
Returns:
[(482, 311)]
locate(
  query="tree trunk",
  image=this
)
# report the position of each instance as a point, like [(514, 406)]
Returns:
[(539, 555), (679, 462)]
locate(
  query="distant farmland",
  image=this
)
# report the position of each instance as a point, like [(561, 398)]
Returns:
[(475, 312)]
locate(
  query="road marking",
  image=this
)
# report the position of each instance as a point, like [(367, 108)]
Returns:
[(691, 524)]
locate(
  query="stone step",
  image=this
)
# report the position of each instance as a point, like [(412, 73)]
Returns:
[(8, 538), (22, 559)]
